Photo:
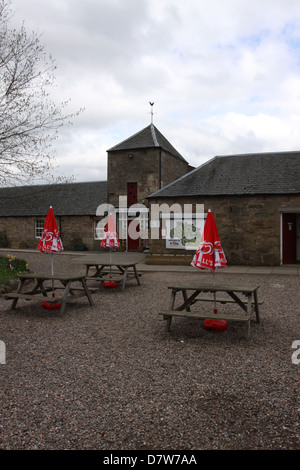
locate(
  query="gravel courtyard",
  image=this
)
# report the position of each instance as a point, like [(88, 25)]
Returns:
[(110, 377)]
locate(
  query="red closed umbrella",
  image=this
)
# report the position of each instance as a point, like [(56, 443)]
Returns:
[(210, 256), (50, 241), (110, 240)]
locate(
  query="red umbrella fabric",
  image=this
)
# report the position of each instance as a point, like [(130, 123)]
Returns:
[(50, 241), (110, 238), (210, 254)]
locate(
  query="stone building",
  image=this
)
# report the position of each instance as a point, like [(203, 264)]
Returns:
[(255, 200), (142, 164), (23, 212), (136, 167)]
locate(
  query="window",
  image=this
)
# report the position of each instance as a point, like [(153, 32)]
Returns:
[(39, 227), (98, 232)]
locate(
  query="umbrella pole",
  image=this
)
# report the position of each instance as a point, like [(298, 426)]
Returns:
[(52, 272), (214, 283), (110, 258)]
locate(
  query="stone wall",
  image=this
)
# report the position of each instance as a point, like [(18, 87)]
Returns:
[(150, 168), (248, 226), (78, 229), (172, 168), (20, 231)]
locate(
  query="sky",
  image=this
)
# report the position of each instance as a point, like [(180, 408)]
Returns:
[(224, 75)]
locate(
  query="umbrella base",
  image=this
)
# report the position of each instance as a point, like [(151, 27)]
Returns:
[(217, 325), (51, 306), (110, 284)]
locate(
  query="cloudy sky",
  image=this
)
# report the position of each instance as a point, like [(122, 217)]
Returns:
[(224, 74)]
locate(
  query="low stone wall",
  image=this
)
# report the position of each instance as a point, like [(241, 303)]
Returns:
[(169, 259)]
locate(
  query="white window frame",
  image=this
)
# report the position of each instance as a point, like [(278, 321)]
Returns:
[(38, 227), (96, 237)]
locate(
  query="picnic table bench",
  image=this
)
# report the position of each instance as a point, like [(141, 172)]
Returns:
[(191, 293), (123, 274), (118, 267), (68, 283)]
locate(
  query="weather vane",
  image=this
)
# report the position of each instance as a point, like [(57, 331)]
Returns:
[(151, 104)]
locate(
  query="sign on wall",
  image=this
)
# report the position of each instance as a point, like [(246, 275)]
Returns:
[(183, 233)]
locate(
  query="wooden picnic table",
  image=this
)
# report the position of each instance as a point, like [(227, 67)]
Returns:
[(244, 296), (116, 266), (67, 282)]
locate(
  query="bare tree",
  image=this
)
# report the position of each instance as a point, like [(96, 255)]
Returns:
[(29, 119)]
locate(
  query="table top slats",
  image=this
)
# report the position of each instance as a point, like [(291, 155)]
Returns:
[(213, 287), (55, 276)]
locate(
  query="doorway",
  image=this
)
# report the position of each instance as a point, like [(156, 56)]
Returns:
[(132, 241), (290, 238)]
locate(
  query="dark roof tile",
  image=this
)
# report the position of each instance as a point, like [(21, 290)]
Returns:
[(148, 137), (66, 199), (259, 173)]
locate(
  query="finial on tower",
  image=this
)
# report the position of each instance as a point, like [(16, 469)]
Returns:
[(151, 104)]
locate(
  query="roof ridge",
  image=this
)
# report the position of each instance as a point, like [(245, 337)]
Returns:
[(51, 185), (152, 127), (261, 154)]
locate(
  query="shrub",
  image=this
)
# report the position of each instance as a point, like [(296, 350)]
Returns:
[(10, 267)]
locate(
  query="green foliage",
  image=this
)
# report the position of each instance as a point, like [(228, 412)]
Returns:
[(10, 267)]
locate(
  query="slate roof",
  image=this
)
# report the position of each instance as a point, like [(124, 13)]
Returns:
[(66, 199), (148, 137), (246, 174)]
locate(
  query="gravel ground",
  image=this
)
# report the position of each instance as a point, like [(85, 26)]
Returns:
[(110, 377)]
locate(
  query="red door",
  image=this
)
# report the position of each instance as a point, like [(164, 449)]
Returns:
[(133, 243), (289, 233)]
